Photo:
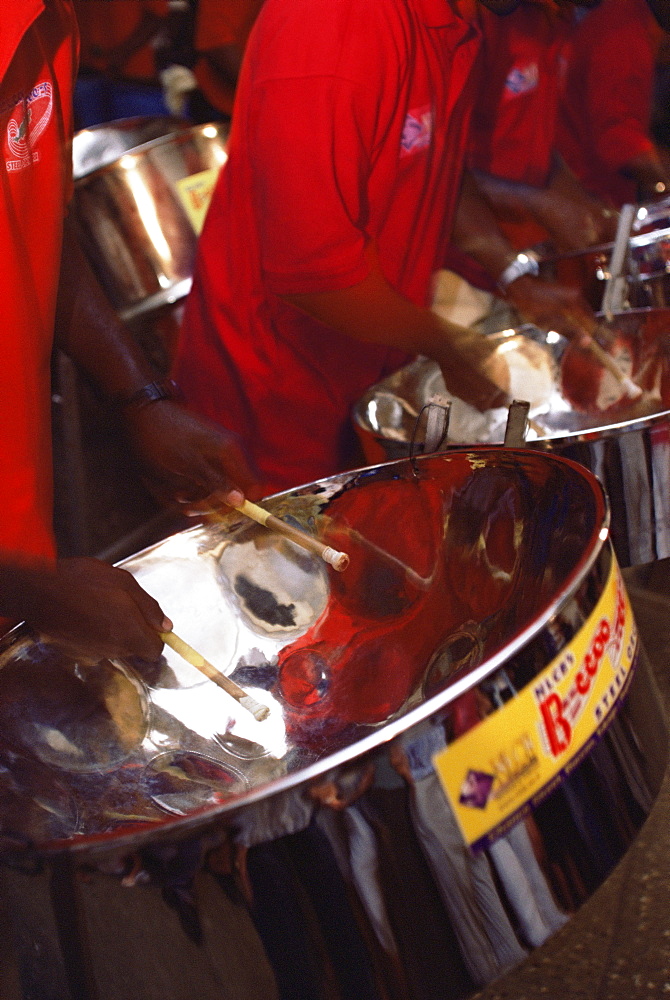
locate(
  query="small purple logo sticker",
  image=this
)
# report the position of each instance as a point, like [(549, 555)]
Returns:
[(475, 789)]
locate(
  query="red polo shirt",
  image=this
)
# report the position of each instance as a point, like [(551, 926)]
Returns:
[(513, 133), (220, 25), (349, 126), (607, 103), (106, 26), (37, 68)]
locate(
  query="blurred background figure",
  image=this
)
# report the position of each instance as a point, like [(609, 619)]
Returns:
[(604, 126), (200, 53), (117, 73), (514, 157)]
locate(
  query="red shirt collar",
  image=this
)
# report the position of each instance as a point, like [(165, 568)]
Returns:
[(441, 13)]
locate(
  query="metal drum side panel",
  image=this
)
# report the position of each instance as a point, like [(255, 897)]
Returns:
[(634, 467), (135, 220)]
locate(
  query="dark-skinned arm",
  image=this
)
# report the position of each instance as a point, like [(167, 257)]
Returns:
[(180, 454), (547, 304), (88, 605), (572, 218), (373, 312), (85, 604)]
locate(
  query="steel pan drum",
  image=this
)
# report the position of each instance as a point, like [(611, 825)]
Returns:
[(648, 266), (462, 739), (140, 213), (630, 454)]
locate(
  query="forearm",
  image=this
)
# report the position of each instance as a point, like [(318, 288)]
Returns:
[(373, 312), (180, 453), (90, 332), (572, 218), (476, 231)]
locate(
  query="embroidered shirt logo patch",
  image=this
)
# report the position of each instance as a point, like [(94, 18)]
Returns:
[(417, 131), (521, 79), (29, 118)]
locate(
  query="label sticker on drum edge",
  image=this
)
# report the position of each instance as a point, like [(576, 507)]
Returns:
[(195, 194), (500, 769)]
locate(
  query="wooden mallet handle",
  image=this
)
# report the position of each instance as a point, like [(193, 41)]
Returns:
[(338, 560), (198, 661)]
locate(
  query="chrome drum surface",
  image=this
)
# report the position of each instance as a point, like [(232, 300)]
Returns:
[(647, 267), (140, 214), (463, 736), (628, 449)]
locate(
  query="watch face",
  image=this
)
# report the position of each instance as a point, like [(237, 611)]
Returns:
[(524, 263)]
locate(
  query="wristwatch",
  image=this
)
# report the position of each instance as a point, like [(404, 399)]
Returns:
[(152, 393), (525, 262)]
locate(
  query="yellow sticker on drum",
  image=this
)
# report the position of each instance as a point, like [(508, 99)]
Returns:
[(195, 194), (512, 759)]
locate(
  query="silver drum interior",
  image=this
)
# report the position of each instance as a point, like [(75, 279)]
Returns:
[(462, 739), (628, 449)]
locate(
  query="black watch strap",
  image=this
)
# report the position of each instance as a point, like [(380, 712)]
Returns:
[(153, 392)]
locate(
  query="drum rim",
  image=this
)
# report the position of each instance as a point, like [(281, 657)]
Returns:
[(140, 151)]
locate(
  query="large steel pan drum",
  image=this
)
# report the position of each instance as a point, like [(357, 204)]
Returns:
[(140, 213), (462, 738), (647, 268), (628, 449)]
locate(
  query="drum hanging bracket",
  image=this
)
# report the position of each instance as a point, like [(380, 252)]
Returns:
[(437, 411), (517, 424)]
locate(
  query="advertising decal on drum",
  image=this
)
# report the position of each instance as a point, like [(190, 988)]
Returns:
[(502, 767)]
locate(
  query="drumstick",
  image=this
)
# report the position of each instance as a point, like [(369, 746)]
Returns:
[(338, 560), (607, 361), (198, 661), (538, 428)]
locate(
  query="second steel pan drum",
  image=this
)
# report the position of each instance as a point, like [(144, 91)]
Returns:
[(628, 448), (462, 736), (140, 213), (647, 269)]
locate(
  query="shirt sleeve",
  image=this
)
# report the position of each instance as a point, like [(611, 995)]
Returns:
[(311, 160)]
